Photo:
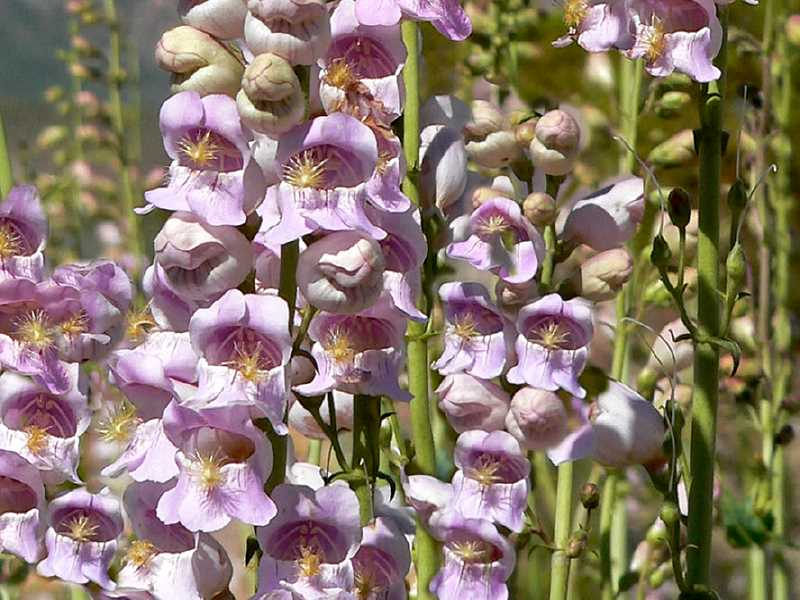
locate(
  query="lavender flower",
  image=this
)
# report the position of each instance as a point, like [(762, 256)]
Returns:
[(446, 15), (492, 477), (221, 18), (43, 427), (382, 561), (359, 354), (244, 343), (82, 538), (23, 233), (501, 240), (476, 334), (311, 541), (223, 462), (296, 30), (168, 560), (22, 505), (211, 174), (552, 344), (477, 559), (325, 164)]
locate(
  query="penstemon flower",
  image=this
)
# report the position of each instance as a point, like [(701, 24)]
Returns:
[(22, 513), (223, 462), (82, 537)]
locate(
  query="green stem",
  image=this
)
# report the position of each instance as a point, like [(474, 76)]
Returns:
[(6, 176), (559, 563), (782, 206), (607, 509), (545, 280), (366, 449), (287, 289), (426, 554), (314, 452), (118, 126), (706, 363), (79, 222), (757, 568)]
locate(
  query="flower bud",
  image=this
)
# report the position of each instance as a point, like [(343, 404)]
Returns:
[(672, 103), (736, 270), (201, 261), (198, 62), (296, 30), (537, 418), (679, 207), (472, 403), (660, 255), (670, 513), (443, 166), (556, 143), (271, 100), (524, 133), (577, 544), (486, 119), (496, 150), (342, 272), (540, 209), (627, 429), (737, 199), (603, 275), (676, 151), (223, 19), (590, 496)]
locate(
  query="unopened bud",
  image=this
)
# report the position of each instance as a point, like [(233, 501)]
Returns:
[(676, 151), (486, 119), (679, 207), (524, 133), (670, 513), (737, 197), (198, 62), (671, 104), (661, 254), (555, 145), (590, 496), (793, 30), (736, 269), (540, 209), (496, 150), (603, 275), (577, 544), (484, 194), (271, 100)]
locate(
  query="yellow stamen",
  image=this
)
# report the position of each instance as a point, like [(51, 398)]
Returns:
[(37, 439), (140, 322), (339, 347), (34, 330), (10, 243), (140, 553), (202, 152), (472, 551), (250, 365), (75, 325), (81, 529), (464, 326), (494, 225), (655, 40), (485, 471), (208, 470), (551, 335), (575, 12), (305, 170), (120, 423), (340, 74), (366, 584), (309, 562)]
